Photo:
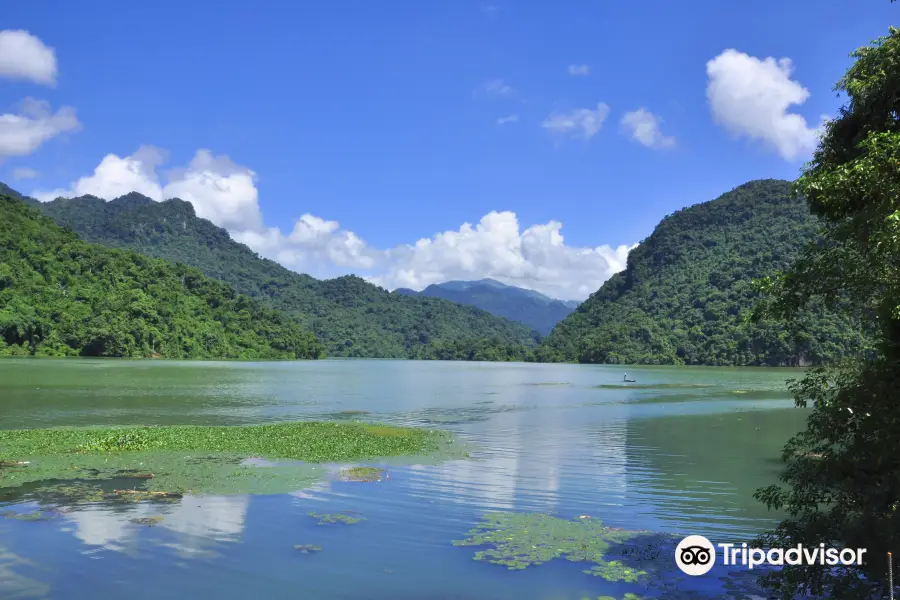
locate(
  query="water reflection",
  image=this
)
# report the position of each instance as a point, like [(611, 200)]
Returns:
[(198, 522), (13, 584), (682, 453)]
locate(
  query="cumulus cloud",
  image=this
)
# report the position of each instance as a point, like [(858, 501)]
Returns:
[(643, 126), (20, 173), (495, 87), (576, 70), (225, 193), (536, 258), (220, 190), (35, 123), (24, 56), (750, 97), (579, 123), (314, 245), (507, 119)]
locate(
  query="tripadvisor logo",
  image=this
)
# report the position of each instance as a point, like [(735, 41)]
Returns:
[(696, 555)]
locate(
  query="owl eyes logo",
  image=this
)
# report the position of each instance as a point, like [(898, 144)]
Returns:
[(695, 555)]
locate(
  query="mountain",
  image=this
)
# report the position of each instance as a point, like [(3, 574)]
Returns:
[(60, 296), (351, 316), (686, 293), (528, 307)]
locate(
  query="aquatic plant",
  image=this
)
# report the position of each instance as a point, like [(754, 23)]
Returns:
[(308, 440), (307, 548), (148, 521), (363, 474), (35, 515), (330, 519), (518, 541), (180, 459)]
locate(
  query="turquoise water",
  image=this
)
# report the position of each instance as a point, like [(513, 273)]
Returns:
[(681, 451)]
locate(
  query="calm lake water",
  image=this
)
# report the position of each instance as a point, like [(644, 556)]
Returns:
[(679, 451)]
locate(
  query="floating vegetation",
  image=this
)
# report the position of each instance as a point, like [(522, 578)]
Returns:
[(169, 461), (306, 440), (307, 548), (147, 521), (329, 519), (518, 541), (140, 495), (35, 515), (363, 474)]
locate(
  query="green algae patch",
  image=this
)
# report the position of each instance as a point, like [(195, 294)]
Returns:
[(308, 441), (192, 459), (307, 548), (147, 521), (363, 474), (344, 518), (35, 515), (518, 541)]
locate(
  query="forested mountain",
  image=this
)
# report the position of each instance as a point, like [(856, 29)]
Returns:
[(528, 307), (686, 293), (60, 296), (351, 316)]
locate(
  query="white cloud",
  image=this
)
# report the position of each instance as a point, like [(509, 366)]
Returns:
[(536, 258), (576, 70), (23, 133), (507, 119), (495, 87), (220, 190), (750, 97), (314, 246), (20, 173), (116, 176), (579, 123), (24, 56), (643, 127)]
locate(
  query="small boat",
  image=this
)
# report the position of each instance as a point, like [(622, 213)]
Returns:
[(626, 380)]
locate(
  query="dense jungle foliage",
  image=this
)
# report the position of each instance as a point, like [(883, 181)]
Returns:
[(841, 483), (687, 292), (351, 316), (61, 296)]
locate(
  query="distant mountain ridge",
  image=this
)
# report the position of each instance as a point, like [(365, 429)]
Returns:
[(349, 315), (529, 307), (687, 291)]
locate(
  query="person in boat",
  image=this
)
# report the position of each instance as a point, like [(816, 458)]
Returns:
[(626, 380)]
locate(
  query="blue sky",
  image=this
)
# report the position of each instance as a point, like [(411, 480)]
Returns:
[(386, 123)]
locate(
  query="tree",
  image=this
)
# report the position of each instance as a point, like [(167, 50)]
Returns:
[(842, 476)]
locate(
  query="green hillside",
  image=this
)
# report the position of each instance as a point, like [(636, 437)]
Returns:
[(686, 293), (537, 311), (350, 316), (60, 296)]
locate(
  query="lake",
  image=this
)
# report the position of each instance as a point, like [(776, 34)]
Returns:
[(680, 451)]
